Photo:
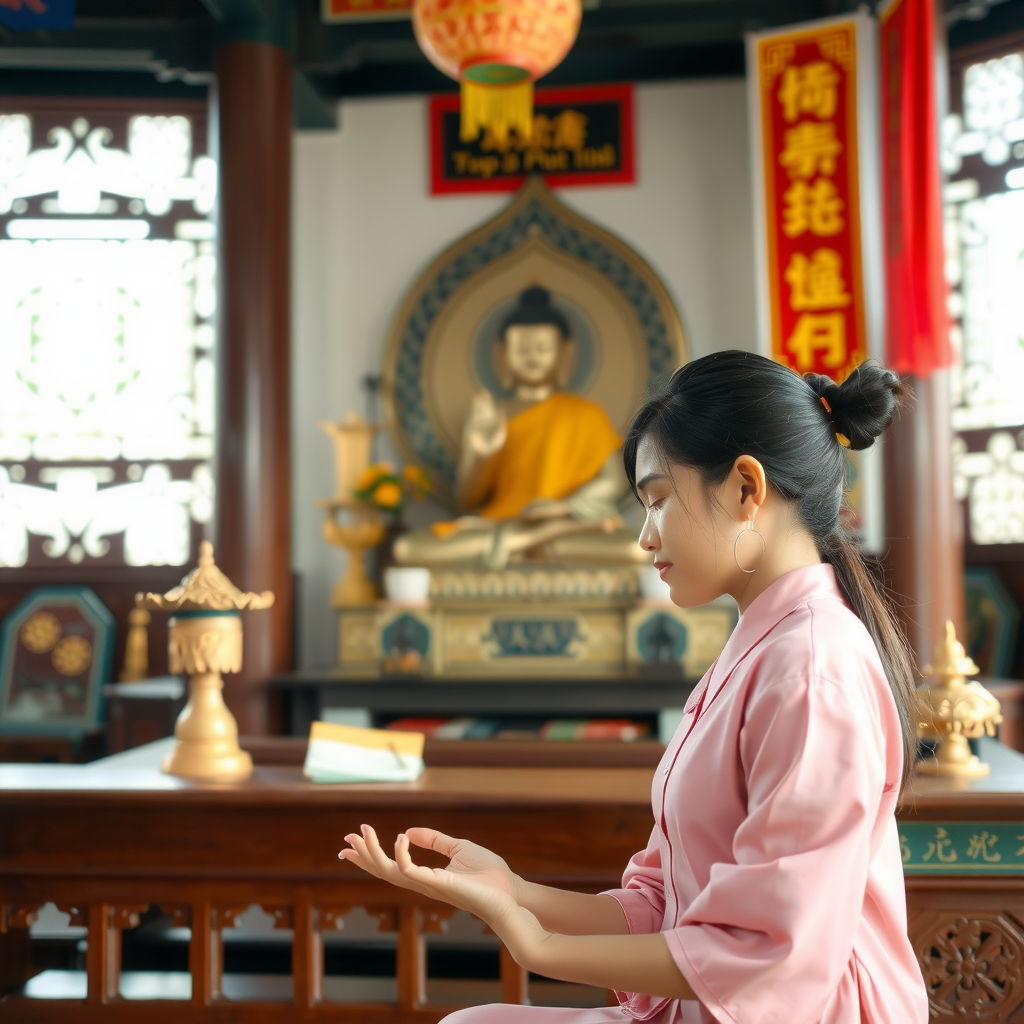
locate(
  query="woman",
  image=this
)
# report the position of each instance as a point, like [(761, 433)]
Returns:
[(771, 891)]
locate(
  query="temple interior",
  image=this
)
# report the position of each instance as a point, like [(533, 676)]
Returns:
[(321, 328)]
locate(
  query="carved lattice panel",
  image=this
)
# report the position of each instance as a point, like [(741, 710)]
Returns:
[(972, 965)]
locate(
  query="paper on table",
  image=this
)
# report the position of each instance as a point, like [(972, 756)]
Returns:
[(344, 753)]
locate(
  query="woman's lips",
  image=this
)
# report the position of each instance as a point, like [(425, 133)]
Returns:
[(662, 567)]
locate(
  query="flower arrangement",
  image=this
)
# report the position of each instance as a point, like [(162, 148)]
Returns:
[(387, 489)]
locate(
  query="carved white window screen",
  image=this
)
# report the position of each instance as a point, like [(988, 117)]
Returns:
[(107, 299), (983, 155)]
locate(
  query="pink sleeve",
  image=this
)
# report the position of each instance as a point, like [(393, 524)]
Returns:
[(642, 896), (770, 936)]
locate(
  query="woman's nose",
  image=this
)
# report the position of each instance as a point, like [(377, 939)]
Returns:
[(649, 537)]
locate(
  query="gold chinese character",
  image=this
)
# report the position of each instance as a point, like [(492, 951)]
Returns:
[(816, 208), (810, 89), (815, 332), (570, 130), (492, 141), (940, 848), (811, 148), (542, 129), (904, 848), (981, 846), (816, 283)]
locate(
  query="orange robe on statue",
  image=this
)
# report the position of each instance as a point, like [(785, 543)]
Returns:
[(552, 449)]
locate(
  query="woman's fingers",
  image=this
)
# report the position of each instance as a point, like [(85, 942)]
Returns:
[(431, 839), (384, 866)]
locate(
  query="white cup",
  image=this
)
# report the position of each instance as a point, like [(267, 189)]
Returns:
[(407, 584)]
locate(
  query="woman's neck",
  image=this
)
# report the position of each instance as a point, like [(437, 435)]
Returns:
[(795, 552)]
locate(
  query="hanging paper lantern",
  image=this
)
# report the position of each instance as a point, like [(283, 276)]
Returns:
[(496, 49)]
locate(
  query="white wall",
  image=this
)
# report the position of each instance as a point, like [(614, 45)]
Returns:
[(365, 225)]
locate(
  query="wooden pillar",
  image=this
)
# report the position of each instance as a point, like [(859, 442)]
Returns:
[(925, 558), (253, 521)]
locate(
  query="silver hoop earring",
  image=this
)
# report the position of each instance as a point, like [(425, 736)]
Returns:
[(748, 530)]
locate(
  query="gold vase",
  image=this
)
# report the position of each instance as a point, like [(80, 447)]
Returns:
[(362, 528)]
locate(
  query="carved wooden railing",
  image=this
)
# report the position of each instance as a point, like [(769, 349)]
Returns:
[(308, 911)]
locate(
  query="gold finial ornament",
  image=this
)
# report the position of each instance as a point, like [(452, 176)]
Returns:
[(205, 639), (953, 710), (136, 650)]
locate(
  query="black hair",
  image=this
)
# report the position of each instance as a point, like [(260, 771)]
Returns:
[(534, 307), (736, 403)]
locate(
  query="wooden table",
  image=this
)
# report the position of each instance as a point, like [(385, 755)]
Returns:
[(105, 841)]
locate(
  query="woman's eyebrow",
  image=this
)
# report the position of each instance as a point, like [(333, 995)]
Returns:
[(649, 479)]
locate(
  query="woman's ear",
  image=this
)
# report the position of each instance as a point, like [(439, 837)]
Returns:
[(748, 486), (500, 361), (566, 362)]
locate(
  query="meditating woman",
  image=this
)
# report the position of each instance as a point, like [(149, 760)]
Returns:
[(771, 891)]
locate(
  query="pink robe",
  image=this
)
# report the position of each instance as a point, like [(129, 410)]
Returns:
[(774, 867)]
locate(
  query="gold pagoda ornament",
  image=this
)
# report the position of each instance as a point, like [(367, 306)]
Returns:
[(953, 710), (205, 639)]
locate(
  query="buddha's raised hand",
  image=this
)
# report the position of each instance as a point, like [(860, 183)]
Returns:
[(486, 427)]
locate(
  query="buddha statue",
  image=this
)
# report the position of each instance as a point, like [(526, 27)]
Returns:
[(539, 474)]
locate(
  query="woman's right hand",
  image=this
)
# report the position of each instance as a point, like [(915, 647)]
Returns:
[(466, 859)]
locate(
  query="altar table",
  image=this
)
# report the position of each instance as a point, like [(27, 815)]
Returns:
[(105, 841)]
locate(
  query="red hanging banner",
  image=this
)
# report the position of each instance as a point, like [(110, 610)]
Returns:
[(917, 324), (806, 105)]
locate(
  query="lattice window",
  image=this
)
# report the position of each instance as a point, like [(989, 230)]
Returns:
[(983, 154), (107, 298)]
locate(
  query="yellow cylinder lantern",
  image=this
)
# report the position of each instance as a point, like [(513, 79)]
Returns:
[(496, 49)]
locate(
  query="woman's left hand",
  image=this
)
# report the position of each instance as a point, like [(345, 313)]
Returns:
[(514, 925)]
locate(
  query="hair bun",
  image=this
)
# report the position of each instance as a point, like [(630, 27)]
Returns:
[(863, 406)]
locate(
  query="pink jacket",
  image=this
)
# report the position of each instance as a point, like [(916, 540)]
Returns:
[(774, 867)]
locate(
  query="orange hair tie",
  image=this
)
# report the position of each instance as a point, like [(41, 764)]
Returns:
[(841, 438)]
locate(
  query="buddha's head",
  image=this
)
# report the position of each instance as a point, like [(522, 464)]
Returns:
[(535, 341)]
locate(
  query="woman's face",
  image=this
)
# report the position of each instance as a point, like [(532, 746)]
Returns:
[(689, 538)]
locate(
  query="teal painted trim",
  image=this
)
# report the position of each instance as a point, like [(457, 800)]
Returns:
[(87, 603), (256, 21), (311, 111), (203, 614), (962, 847)]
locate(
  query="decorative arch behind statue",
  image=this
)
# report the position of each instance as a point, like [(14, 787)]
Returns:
[(626, 332)]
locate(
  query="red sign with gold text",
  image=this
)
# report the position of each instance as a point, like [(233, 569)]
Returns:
[(807, 84), (367, 10)]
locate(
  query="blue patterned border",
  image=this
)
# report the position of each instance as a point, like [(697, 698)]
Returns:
[(534, 221)]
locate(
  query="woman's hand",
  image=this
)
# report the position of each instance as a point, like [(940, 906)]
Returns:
[(466, 859), (475, 880)]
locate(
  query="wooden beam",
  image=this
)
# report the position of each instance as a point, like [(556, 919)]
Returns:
[(253, 521), (925, 558)]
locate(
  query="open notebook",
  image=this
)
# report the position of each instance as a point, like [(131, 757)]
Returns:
[(343, 753)]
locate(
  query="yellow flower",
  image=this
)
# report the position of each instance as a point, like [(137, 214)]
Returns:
[(367, 478), (388, 495), (415, 477)]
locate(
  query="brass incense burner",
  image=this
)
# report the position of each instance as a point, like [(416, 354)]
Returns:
[(954, 710), (205, 639)]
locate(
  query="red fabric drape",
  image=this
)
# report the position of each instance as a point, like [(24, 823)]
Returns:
[(917, 325)]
